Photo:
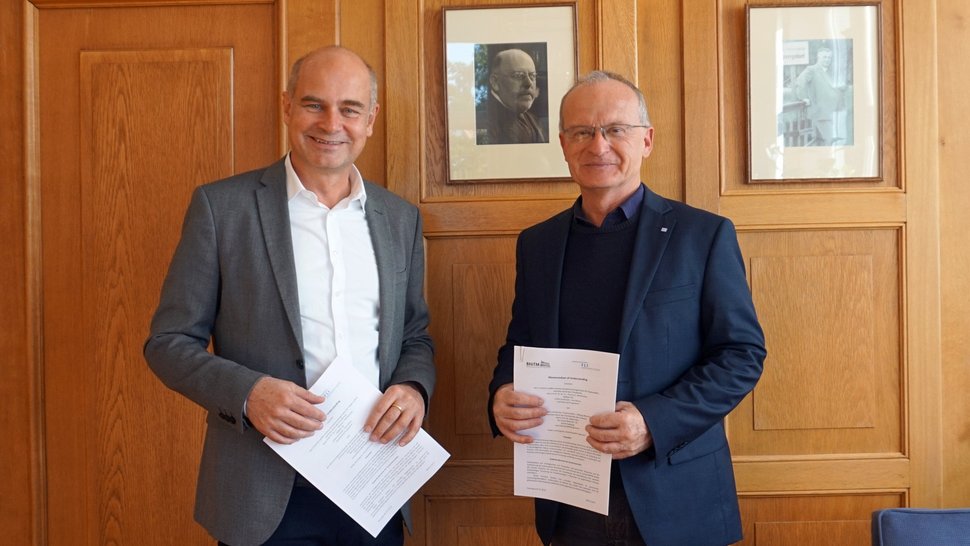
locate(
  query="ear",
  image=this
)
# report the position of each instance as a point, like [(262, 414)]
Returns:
[(493, 82), (648, 142), (371, 118)]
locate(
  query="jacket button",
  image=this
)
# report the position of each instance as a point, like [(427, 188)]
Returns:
[(300, 364)]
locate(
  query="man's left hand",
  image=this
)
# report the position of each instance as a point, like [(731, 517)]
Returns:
[(399, 409), (622, 433)]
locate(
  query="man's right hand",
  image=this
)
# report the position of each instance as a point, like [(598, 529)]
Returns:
[(283, 411), (516, 411)]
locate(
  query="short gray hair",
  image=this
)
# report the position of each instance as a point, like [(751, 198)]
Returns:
[(298, 65), (600, 76)]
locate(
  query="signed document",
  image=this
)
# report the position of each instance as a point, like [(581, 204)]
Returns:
[(368, 480), (559, 465)]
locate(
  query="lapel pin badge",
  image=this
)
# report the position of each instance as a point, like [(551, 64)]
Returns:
[(663, 230)]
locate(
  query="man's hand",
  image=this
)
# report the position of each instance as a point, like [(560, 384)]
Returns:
[(516, 411), (622, 433), (400, 408), (283, 411)]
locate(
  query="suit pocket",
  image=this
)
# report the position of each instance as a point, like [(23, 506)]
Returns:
[(708, 442), (669, 295)]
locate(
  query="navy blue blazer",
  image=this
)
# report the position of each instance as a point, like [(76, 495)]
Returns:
[(690, 349)]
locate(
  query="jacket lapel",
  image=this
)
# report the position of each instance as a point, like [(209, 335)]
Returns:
[(549, 266), (653, 232), (378, 223), (274, 219)]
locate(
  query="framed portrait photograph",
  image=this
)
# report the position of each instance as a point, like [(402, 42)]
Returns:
[(506, 70), (814, 93)]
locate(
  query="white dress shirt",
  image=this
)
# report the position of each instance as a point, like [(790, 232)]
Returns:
[(336, 273)]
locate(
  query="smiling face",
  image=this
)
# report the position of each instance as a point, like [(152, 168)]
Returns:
[(600, 166), (329, 115), (514, 80)]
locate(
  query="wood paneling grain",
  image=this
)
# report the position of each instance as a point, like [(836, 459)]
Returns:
[(811, 519), (660, 71), (483, 303), (21, 507), (137, 107), (468, 327), (821, 377), (813, 533), (139, 153), (790, 474), (359, 27), (480, 521), (953, 33), (828, 300), (494, 535), (921, 174)]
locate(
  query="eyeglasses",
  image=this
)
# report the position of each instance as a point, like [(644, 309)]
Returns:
[(521, 75), (615, 132)]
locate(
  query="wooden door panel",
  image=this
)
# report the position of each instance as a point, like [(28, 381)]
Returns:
[(470, 301), (137, 107), (492, 521), (828, 300), (812, 519)]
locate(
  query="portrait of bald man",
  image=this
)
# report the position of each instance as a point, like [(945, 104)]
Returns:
[(506, 114)]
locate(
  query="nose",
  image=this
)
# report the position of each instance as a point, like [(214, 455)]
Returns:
[(329, 120), (599, 141)]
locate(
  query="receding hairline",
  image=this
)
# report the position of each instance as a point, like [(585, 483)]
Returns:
[(501, 57), (330, 50), (602, 76)]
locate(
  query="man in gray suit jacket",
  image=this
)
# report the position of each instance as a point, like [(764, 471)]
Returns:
[(286, 269)]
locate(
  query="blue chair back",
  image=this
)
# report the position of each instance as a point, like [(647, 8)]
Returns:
[(921, 527)]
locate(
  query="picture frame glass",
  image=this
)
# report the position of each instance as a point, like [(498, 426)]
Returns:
[(814, 93), (506, 69)]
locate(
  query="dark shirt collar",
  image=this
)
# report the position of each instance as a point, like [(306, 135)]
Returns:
[(628, 210)]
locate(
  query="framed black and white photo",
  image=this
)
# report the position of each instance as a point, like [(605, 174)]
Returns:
[(506, 69), (814, 93)]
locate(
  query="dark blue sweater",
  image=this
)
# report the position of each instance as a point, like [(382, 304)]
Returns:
[(594, 279)]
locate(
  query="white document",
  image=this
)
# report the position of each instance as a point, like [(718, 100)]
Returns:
[(368, 480), (559, 465)]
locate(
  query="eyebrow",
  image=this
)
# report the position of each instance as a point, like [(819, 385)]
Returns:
[(345, 102)]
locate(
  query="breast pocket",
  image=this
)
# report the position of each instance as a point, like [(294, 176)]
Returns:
[(673, 294)]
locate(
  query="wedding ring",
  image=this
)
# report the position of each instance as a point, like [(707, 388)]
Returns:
[(399, 408)]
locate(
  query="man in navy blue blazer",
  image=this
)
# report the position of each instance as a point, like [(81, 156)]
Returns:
[(663, 285)]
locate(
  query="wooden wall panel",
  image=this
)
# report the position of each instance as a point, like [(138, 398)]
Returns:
[(954, 150), (828, 301), (359, 28), (140, 153), (137, 107), (660, 60), (812, 519), (496, 536), (827, 364), (480, 522), (482, 304), (470, 283), (21, 509), (921, 172)]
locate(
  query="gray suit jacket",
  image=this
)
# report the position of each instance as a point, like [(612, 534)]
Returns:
[(233, 280)]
